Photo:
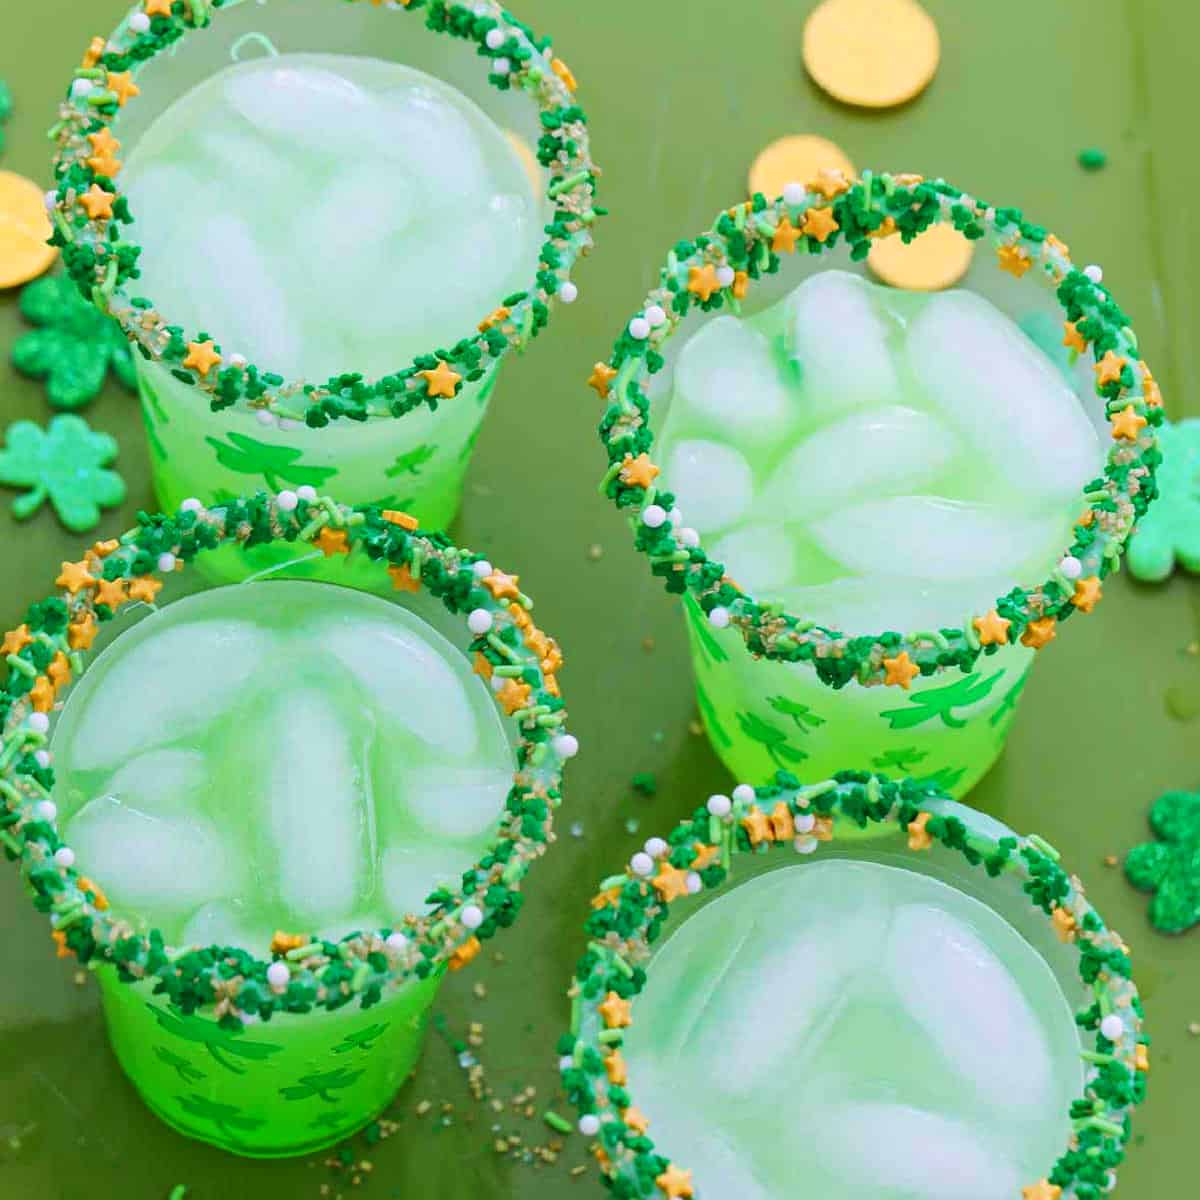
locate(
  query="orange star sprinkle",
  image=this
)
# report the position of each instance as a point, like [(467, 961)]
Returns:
[(74, 577), (1141, 1057), (103, 141), (822, 829), (1039, 633), (1042, 1190), (520, 616), (1064, 924), (1014, 260), (786, 237), (59, 671), (918, 837), (495, 318), (442, 382), (103, 159), (104, 549), (59, 937), (1072, 338), (607, 899), (402, 579), (830, 183), (639, 472), (121, 83), (1127, 425), (601, 379), (1150, 389), (1058, 244), (400, 519), (564, 73), (483, 666), (900, 671), (615, 1012), (703, 282), (202, 357), (884, 229), (675, 1183), (741, 284), (670, 883), (757, 825), (332, 541), (782, 825), (97, 203), (513, 696), (42, 695), (145, 588), (15, 640), (1088, 593), (615, 1069), (282, 942), (94, 52), (1108, 369), (158, 8), (111, 592), (992, 629), (636, 1120), (99, 899), (82, 632), (705, 856), (819, 223), (465, 953), (502, 586)]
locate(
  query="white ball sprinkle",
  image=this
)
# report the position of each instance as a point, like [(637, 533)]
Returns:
[(566, 1062), (307, 493), (166, 562), (568, 293), (45, 810), (64, 856), (1071, 567), (287, 500), (263, 417), (675, 516), (42, 758), (794, 193), (51, 199), (278, 976), (720, 806), (804, 844), (641, 863), (639, 329), (656, 847), (482, 569), (656, 316), (191, 504), (501, 66), (82, 88), (1094, 273), (479, 621), (238, 360), (653, 515), (744, 793), (805, 823), (566, 745), (589, 1125), (495, 39), (1112, 1027), (38, 722), (718, 618), (726, 275), (472, 916), (693, 883), (687, 537), (498, 682), (396, 941), (139, 23)]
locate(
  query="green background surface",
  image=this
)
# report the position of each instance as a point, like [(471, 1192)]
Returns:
[(681, 97)]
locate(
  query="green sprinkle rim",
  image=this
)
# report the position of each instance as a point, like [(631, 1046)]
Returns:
[(324, 974), (103, 262), (622, 933), (740, 246)]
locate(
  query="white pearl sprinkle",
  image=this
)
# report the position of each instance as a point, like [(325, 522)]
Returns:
[(81, 88), (589, 1125), (396, 941), (51, 199), (726, 275), (566, 745), (675, 517), (1071, 567), (639, 329), (641, 863), (653, 515), (482, 569), (307, 493), (139, 23), (166, 562), (655, 847), (263, 417), (566, 1063), (794, 193), (804, 845), (805, 823), (45, 810), (38, 722), (693, 883), (501, 66), (472, 916), (287, 501), (42, 758), (479, 621), (720, 806), (1112, 1027), (656, 316), (718, 618), (288, 425), (498, 682), (64, 856), (687, 537), (495, 39), (278, 976), (1094, 273), (568, 293), (744, 793), (238, 360), (191, 504)]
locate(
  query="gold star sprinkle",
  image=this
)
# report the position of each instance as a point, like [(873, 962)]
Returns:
[(1128, 424), (1057, 244), (607, 899), (94, 52), (638, 472), (74, 577), (513, 696), (121, 83), (202, 357), (786, 237), (145, 588), (636, 1120), (819, 223), (99, 899), (741, 284), (15, 640), (97, 203), (1150, 389), (111, 592), (441, 382), (496, 318), (1072, 338), (59, 671), (782, 825), (992, 629), (400, 519), (757, 825), (675, 1183), (601, 379), (104, 152), (465, 953), (822, 829), (615, 1012), (900, 671), (1039, 633), (705, 856), (1064, 924), (670, 883), (483, 667), (1108, 369), (1014, 260), (42, 695), (1141, 1057), (703, 282), (282, 942), (615, 1069), (332, 541), (1088, 593), (830, 183), (918, 837), (564, 73), (502, 586), (403, 581), (158, 8), (82, 632), (1042, 1190), (104, 549)]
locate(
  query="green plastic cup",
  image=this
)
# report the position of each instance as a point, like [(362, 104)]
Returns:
[(269, 1058)]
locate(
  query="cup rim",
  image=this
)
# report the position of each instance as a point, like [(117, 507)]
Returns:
[(715, 271), (52, 646), (87, 208), (632, 908)]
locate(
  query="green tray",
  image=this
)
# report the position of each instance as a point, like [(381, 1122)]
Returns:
[(681, 98)]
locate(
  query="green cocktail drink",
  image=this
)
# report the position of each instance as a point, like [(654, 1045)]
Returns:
[(871, 1016), (270, 815), (342, 224), (840, 458)]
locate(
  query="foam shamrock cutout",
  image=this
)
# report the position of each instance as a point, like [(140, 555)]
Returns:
[(75, 346), (1170, 532), (1170, 867), (65, 464)]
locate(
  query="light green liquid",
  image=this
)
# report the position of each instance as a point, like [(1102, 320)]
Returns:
[(851, 1030), (275, 756), (874, 460)]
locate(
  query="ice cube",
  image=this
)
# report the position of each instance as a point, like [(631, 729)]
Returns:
[(409, 873), (726, 379), (217, 658), (927, 537), (712, 481), (865, 455), (433, 132), (157, 865), (760, 557), (853, 365), (987, 379), (895, 1152), (318, 809), (159, 779), (457, 802), (227, 923)]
